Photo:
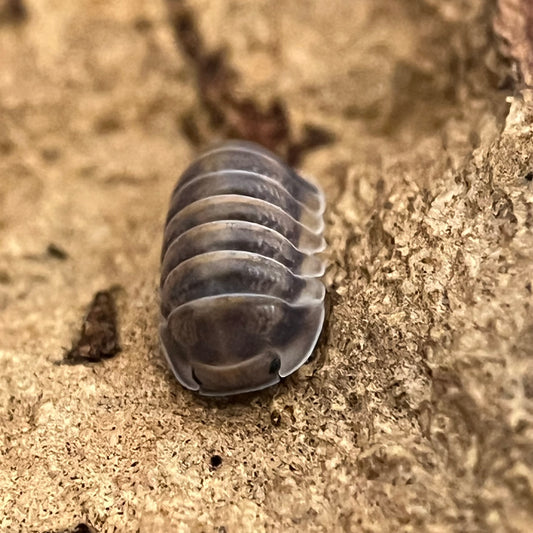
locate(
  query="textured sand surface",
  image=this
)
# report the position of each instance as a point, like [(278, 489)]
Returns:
[(416, 412)]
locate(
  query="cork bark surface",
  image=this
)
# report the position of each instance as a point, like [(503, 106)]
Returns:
[(416, 410)]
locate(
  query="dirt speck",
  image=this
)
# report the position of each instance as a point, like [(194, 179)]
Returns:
[(99, 334)]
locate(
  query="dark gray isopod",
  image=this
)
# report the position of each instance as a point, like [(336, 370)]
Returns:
[(242, 304)]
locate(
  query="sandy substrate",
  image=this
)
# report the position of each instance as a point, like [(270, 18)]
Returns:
[(416, 412)]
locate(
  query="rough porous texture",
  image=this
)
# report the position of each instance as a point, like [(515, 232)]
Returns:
[(416, 411)]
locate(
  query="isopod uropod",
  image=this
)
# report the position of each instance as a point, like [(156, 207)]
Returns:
[(242, 304)]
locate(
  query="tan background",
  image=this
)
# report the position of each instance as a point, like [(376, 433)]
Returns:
[(416, 413)]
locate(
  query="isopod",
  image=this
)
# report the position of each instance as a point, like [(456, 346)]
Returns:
[(242, 303)]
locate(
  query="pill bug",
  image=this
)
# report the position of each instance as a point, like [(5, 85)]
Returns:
[(242, 304)]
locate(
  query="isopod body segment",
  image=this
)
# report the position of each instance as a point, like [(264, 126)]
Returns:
[(242, 303)]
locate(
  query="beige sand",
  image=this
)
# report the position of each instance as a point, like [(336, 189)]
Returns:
[(416, 413)]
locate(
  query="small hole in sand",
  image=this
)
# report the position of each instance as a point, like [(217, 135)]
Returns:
[(215, 461)]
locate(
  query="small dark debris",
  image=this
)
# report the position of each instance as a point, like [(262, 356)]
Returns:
[(529, 176), (275, 418), (222, 529), (215, 461), (55, 251), (99, 336)]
